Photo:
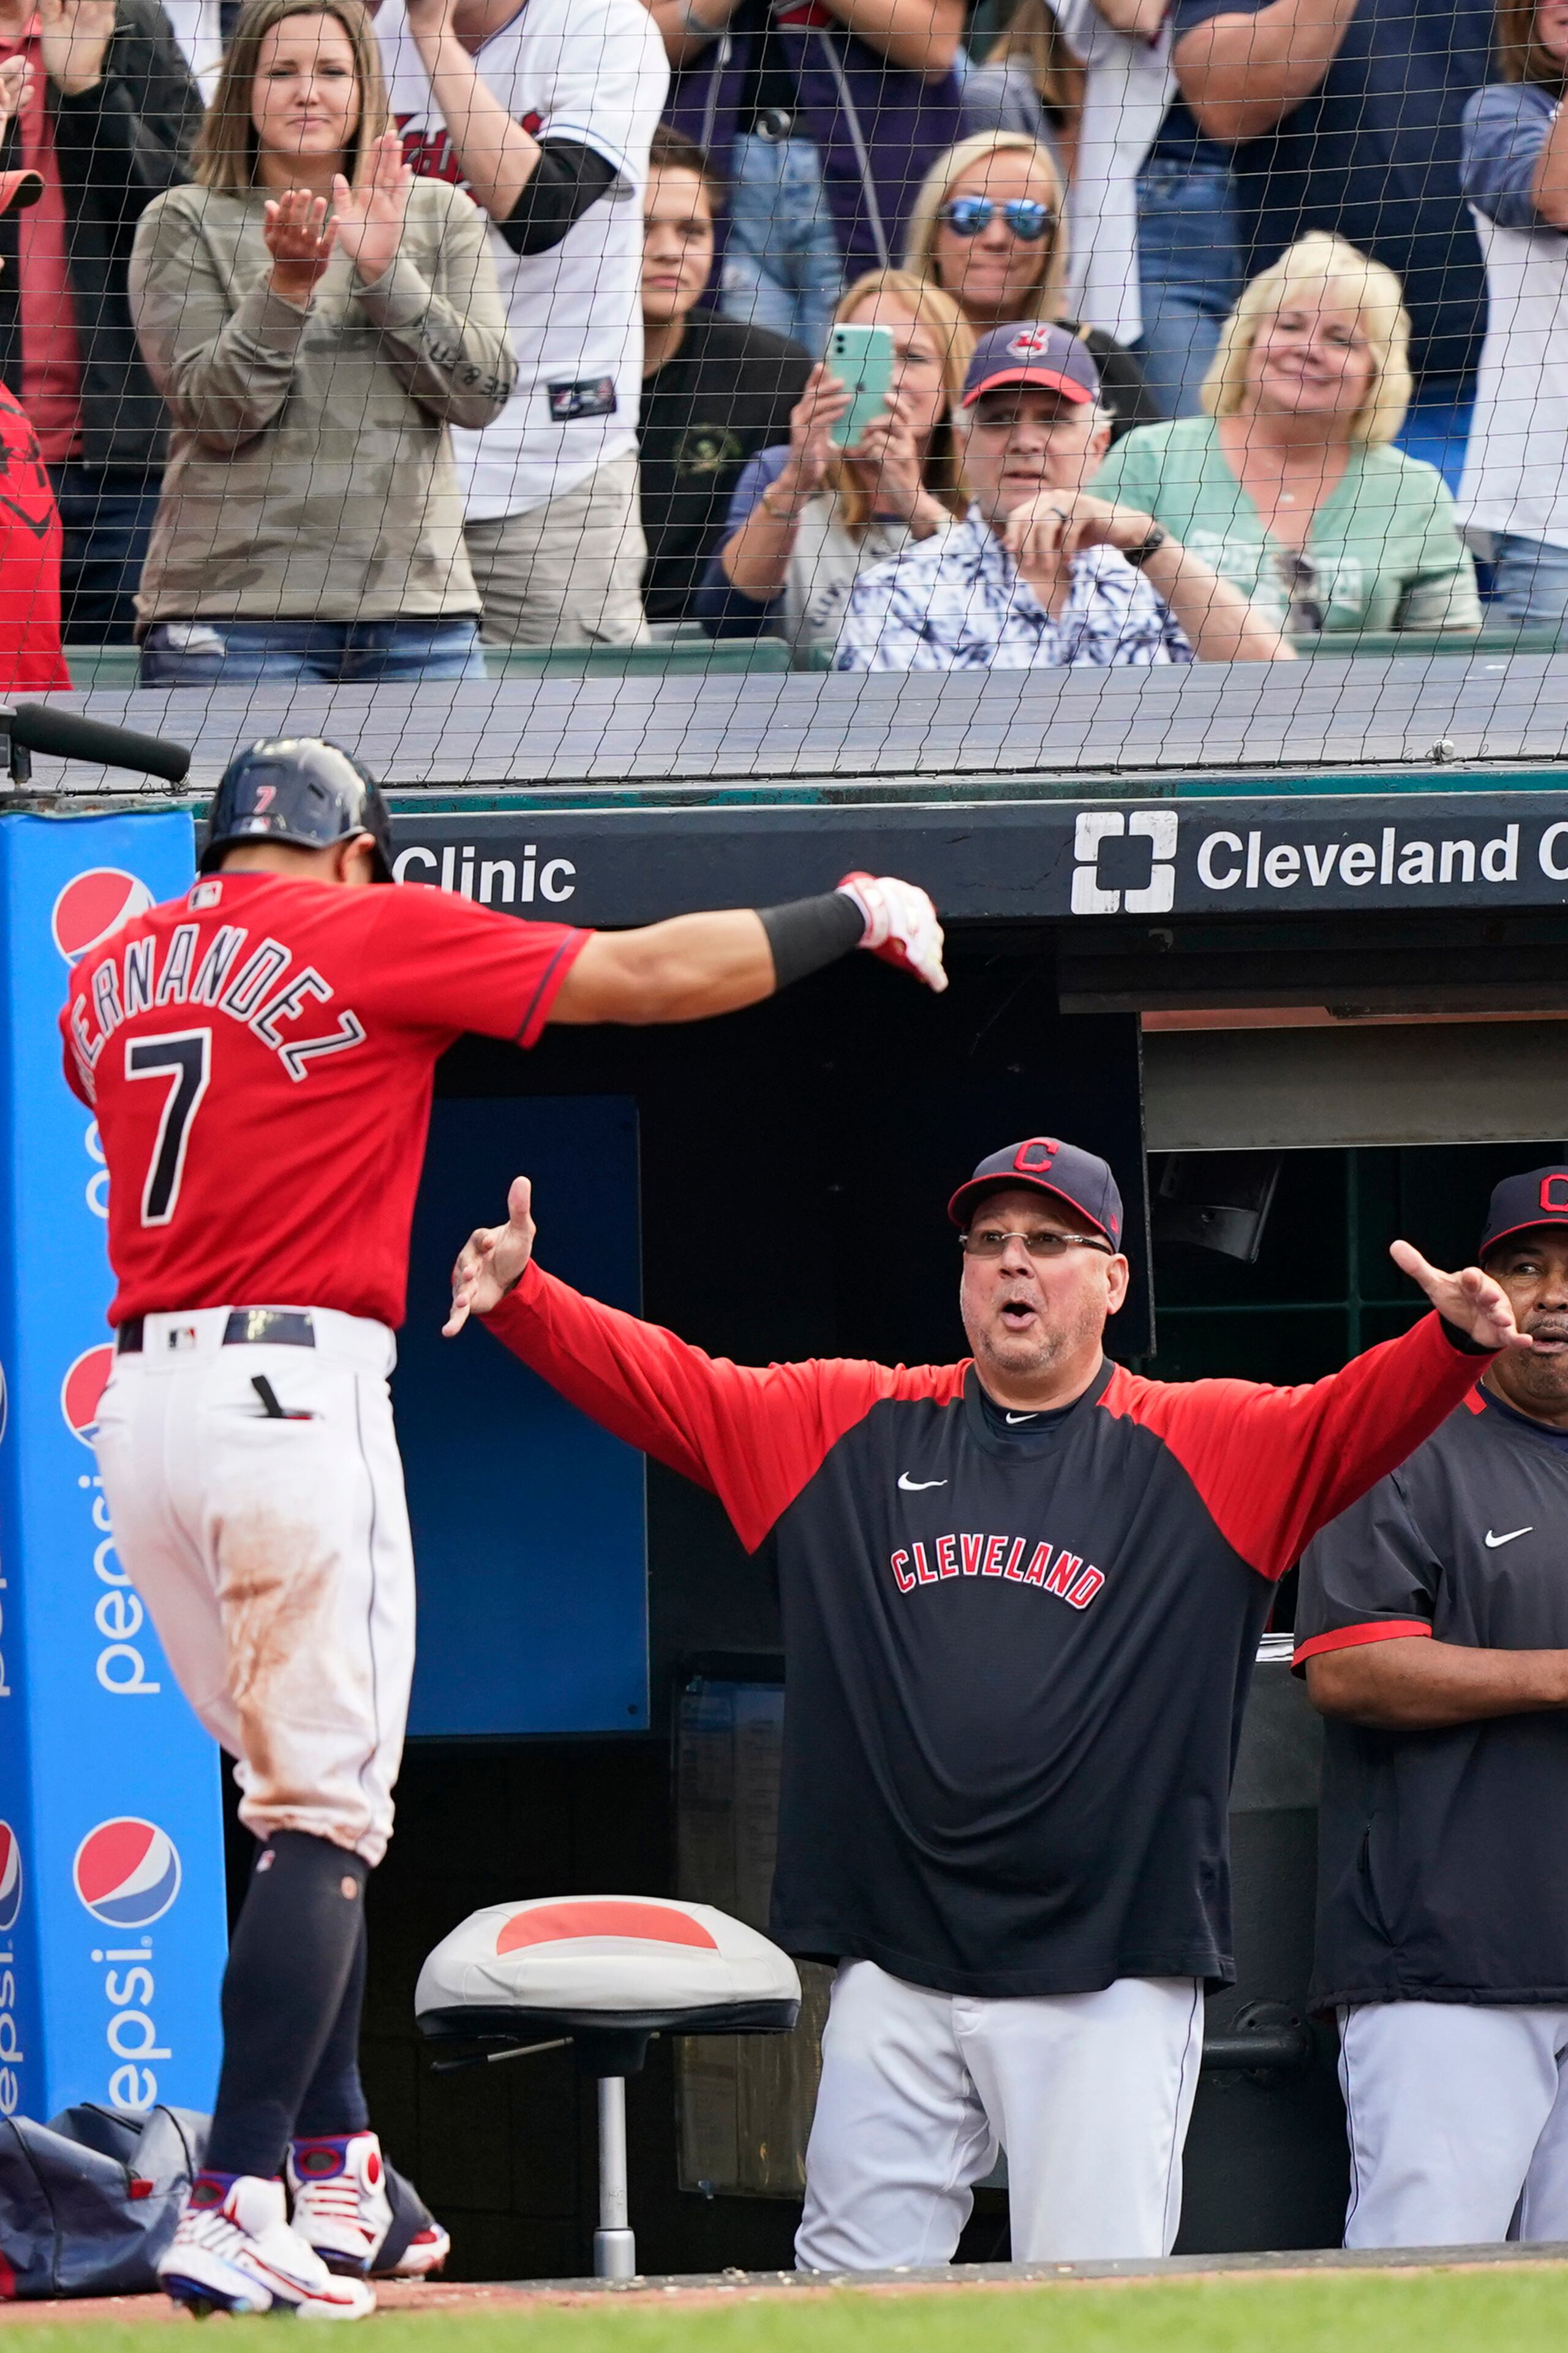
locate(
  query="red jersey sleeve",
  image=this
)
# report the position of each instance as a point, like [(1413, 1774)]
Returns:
[(436, 961), (753, 1435), (76, 1079), (1275, 1465)]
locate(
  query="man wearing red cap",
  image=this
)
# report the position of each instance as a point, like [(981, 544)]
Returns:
[(1042, 573), (1433, 1629), (1021, 1597)]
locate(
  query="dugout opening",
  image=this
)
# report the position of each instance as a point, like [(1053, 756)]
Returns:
[(789, 1172)]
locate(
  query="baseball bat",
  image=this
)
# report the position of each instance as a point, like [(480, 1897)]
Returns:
[(68, 736)]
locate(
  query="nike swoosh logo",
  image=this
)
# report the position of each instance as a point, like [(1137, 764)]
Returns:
[(1492, 1542), (1020, 1417), (916, 1486)]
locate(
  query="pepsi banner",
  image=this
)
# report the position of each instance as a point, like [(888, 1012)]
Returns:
[(111, 1887)]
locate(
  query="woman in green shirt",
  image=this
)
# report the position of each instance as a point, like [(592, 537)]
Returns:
[(1290, 486)]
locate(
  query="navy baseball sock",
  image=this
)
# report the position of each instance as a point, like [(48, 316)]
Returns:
[(293, 1954), (334, 2101)]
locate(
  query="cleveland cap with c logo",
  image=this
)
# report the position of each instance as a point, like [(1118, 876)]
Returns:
[(1082, 1179), (1539, 1198)]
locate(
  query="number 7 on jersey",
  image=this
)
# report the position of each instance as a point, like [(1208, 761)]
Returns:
[(185, 1056)]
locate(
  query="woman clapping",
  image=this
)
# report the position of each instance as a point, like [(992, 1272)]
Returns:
[(315, 318)]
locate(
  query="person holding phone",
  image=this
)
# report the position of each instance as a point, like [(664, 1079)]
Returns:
[(808, 517)]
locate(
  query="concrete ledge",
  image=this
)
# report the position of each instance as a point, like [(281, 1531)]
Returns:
[(482, 2295)]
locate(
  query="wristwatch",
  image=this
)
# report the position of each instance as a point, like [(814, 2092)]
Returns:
[(1137, 555)]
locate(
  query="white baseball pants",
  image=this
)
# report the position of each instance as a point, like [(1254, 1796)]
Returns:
[(273, 1557), (1458, 2118), (1090, 2094)]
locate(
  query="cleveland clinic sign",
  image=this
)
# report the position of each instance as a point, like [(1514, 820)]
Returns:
[(1008, 858)]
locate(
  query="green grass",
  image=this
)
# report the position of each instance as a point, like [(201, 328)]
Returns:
[(1501, 2311)]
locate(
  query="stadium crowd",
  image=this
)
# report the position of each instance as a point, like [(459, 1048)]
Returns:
[(340, 341)]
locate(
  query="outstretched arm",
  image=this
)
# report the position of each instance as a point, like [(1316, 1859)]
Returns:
[(753, 1435), (1275, 1465), (695, 966)]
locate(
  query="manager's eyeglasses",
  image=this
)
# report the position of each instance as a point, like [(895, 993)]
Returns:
[(1045, 1243), (1025, 216)]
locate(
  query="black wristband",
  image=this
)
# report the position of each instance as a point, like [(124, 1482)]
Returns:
[(1463, 1342), (807, 934)]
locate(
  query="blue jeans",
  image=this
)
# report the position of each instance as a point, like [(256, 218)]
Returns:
[(1189, 272), (106, 518), (334, 653), (1530, 582), (1437, 424), (783, 269)]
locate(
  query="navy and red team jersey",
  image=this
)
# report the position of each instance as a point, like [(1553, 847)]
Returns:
[(1015, 1667), (260, 1055), (1442, 1858)]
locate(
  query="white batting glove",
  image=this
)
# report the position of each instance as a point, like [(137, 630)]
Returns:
[(902, 924)]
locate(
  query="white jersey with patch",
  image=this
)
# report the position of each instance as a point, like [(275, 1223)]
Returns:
[(593, 71)]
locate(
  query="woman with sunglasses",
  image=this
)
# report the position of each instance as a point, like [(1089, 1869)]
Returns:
[(988, 228), (1151, 205), (1290, 485), (807, 519)]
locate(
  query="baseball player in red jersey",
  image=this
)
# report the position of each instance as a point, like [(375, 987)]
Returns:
[(1021, 1599), (260, 1055)]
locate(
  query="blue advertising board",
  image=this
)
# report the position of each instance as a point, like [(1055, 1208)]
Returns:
[(529, 1540), (111, 1886)]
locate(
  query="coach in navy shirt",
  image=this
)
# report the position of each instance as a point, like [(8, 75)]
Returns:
[(1433, 1626), (1022, 1595), (1345, 117)]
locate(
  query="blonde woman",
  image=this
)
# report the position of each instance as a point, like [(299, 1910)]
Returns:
[(1289, 485), (988, 227), (1151, 204), (807, 518), (315, 319)]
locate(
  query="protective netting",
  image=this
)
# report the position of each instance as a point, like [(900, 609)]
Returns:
[(467, 342)]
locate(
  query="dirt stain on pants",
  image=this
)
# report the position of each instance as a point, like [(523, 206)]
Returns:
[(275, 1591)]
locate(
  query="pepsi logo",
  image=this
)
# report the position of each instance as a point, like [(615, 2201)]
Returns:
[(94, 904), (127, 1873), (10, 1879), (82, 1388)]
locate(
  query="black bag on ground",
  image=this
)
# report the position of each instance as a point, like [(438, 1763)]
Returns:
[(89, 2200)]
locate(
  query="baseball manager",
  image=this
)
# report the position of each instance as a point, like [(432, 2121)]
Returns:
[(1022, 1596)]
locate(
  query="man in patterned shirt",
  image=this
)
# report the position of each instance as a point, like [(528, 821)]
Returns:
[(1041, 574)]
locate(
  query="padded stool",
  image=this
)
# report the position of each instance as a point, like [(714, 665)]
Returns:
[(608, 1972)]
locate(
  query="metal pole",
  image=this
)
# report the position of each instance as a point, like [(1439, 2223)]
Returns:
[(615, 2248)]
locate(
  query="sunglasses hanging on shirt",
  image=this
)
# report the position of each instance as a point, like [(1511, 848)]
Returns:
[(1298, 575), (1025, 216)]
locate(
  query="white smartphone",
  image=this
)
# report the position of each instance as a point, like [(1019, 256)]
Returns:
[(862, 359)]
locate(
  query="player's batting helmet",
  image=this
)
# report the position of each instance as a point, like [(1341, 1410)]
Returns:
[(299, 789)]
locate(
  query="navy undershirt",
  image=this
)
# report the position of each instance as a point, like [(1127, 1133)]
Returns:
[(1027, 1432)]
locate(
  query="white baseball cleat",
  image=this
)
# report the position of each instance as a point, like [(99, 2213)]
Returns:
[(338, 2184), (234, 2251)]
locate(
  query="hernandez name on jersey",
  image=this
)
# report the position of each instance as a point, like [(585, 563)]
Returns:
[(261, 1054), (1016, 1668)]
